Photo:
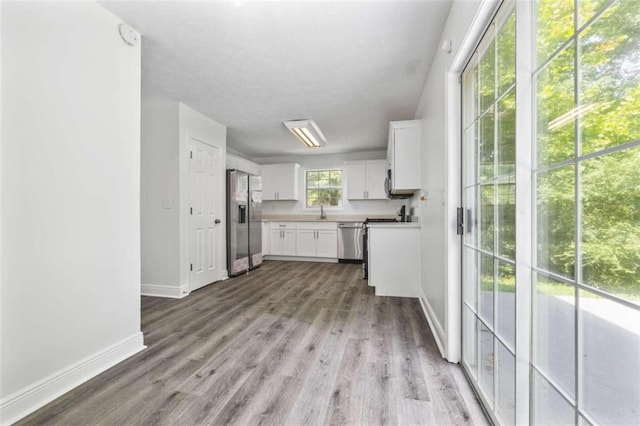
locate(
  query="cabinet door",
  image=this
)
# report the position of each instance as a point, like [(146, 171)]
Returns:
[(406, 158), (266, 238), (327, 244), (289, 243), (356, 181), (305, 242), (376, 173), (269, 183), (287, 183), (275, 245)]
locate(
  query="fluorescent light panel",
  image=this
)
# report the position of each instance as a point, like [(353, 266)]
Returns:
[(307, 132)]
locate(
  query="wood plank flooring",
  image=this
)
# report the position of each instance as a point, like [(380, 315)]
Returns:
[(291, 343)]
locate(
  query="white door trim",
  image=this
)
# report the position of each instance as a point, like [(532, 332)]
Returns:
[(453, 243)]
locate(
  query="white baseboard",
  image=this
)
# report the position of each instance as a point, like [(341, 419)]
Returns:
[(27, 400), (434, 325), (302, 259), (164, 291)]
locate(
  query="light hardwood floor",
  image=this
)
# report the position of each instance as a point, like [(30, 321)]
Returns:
[(291, 343)]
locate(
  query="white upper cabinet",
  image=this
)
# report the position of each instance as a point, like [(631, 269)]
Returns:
[(280, 182), (403, 156), (365, 180)]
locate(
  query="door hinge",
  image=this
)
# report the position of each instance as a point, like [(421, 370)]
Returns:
[(460, 221), (191, 266)]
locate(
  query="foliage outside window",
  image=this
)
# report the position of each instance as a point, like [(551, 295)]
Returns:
[(324, 187)]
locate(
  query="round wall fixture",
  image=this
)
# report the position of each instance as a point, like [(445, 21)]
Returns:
[(128, 34), (446, 45)]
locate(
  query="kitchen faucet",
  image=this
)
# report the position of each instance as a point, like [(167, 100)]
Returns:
[(322, 214)]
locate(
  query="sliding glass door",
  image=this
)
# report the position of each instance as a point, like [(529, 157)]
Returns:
[(586, 295), (489, 197), (571, 285)]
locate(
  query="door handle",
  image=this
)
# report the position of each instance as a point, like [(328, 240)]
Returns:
[(216, 221)]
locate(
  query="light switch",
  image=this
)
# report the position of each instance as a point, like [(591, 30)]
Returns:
[(167, 203)]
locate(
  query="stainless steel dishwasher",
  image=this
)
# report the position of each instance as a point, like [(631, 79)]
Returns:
[(350, 242)]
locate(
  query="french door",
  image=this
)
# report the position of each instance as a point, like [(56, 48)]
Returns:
[(489, 198), (551, 192)]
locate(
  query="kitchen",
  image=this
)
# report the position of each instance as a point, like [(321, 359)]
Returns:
[(330, 211)]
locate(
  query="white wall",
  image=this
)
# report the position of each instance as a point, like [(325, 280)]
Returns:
[(160, 196), (441, 164), (240, 163), (334, 161), (166, 128), (193, 124), (70, 200)]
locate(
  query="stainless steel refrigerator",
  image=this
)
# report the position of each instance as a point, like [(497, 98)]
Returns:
[(244, 221)]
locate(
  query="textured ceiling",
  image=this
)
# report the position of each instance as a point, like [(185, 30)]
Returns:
[(350, 66)]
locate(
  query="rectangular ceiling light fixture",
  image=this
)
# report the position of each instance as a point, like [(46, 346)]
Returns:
[(307, 132)]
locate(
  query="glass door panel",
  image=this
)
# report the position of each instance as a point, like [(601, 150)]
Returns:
[(489, 203)]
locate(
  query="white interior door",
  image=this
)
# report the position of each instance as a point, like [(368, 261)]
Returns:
[(204, 224)]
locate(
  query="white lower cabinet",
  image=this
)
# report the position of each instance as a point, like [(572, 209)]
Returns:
[(301, 239), (317, 239), (327, 244), (282, 239), (306, 242)]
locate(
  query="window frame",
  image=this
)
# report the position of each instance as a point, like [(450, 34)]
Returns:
[(342, 189)]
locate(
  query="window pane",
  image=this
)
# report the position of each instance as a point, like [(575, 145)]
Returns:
[(610, 356), (555, 221), (470, 235), (486, 217), (588, 9), (554, 26), (469, 88), (506, 122), (486, 289), (470, 282), (487, 77), (336, 178), (549, 408), (507, 54), (312, 198), (555, 114), (611, 223), (312, 179), (554, 331), (486, 145), (486, 361), (506, 398), (506, 225), (470, 156), (469, 340), (610, 77), (335, 197), (506, 299)]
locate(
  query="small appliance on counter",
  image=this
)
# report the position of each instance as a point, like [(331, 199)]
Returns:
[(365, 250), (402, 213)]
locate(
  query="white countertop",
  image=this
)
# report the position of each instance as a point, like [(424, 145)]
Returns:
[(394, 225), (316, 218)]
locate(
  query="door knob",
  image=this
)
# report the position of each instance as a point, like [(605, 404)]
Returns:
[(217, 221)]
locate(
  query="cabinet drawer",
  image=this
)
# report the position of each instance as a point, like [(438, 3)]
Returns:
[(283, 225), (331, 226)]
